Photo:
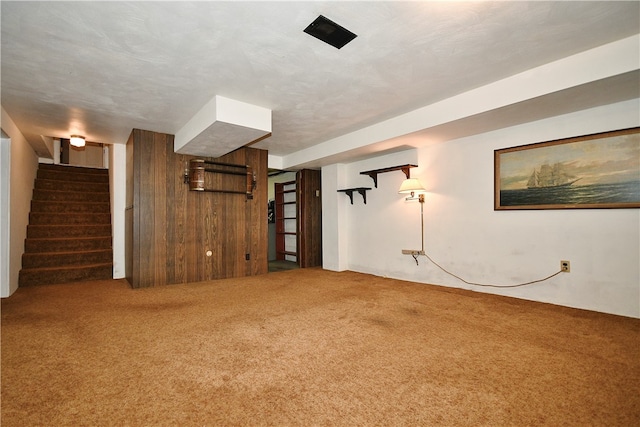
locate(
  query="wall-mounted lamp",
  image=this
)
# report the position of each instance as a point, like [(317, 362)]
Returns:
[(412, 186), (77, 140)]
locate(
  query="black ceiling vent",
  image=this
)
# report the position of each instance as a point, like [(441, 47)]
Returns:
[(329, 32)]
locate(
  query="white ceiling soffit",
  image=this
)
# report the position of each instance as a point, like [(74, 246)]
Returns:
[(604, 75), (222, 126)]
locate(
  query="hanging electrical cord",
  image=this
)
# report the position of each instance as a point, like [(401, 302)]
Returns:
[(411, 186), (485, 285)]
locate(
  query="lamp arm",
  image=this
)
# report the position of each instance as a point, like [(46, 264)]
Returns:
[(421, 200)]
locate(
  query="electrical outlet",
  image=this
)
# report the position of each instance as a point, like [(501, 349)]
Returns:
[(412, 252), (565, 266)]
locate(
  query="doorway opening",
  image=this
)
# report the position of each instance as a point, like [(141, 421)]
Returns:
[(283, 251), (295, 219)]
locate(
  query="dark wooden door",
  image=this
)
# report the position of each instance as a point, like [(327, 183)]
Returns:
[(64, 151), (309, 187)]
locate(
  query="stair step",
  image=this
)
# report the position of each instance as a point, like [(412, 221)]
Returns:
[(66, 244), (69, 207), (63, 259), (48, 218), (40, 231), (70, 168), (70, 196), (72, 175), (54, 275), (54, 184)]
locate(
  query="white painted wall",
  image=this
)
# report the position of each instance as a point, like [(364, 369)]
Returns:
[(465, 235), (24, 166), (5, 234), (336, 209), (118, 184), (91, 156), (273, 180)]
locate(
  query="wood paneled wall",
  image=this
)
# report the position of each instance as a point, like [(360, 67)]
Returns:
[(173, 228)]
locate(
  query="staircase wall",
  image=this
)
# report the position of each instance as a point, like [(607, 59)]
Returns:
[(22, 169), (69, 231)]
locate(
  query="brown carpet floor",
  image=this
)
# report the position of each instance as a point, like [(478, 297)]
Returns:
[(310, 347)]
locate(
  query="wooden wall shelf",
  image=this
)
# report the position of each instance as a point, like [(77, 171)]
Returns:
[(361, 190), (374, 172), (197, 168)]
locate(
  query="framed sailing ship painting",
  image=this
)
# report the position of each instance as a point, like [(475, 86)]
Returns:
[(593, 171)]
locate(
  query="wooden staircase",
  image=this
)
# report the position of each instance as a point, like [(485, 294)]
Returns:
[(69, 231)]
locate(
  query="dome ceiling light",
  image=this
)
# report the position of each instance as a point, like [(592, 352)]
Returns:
[(77, 140)]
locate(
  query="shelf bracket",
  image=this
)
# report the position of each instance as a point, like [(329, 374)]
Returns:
[(361, 190)]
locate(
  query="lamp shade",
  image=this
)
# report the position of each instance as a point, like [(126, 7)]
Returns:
[(411, 185), (77, 140)]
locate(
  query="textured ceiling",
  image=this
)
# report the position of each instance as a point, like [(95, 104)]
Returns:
[(103, 68)]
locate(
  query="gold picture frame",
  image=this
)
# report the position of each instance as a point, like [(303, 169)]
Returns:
[(586, 172)]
